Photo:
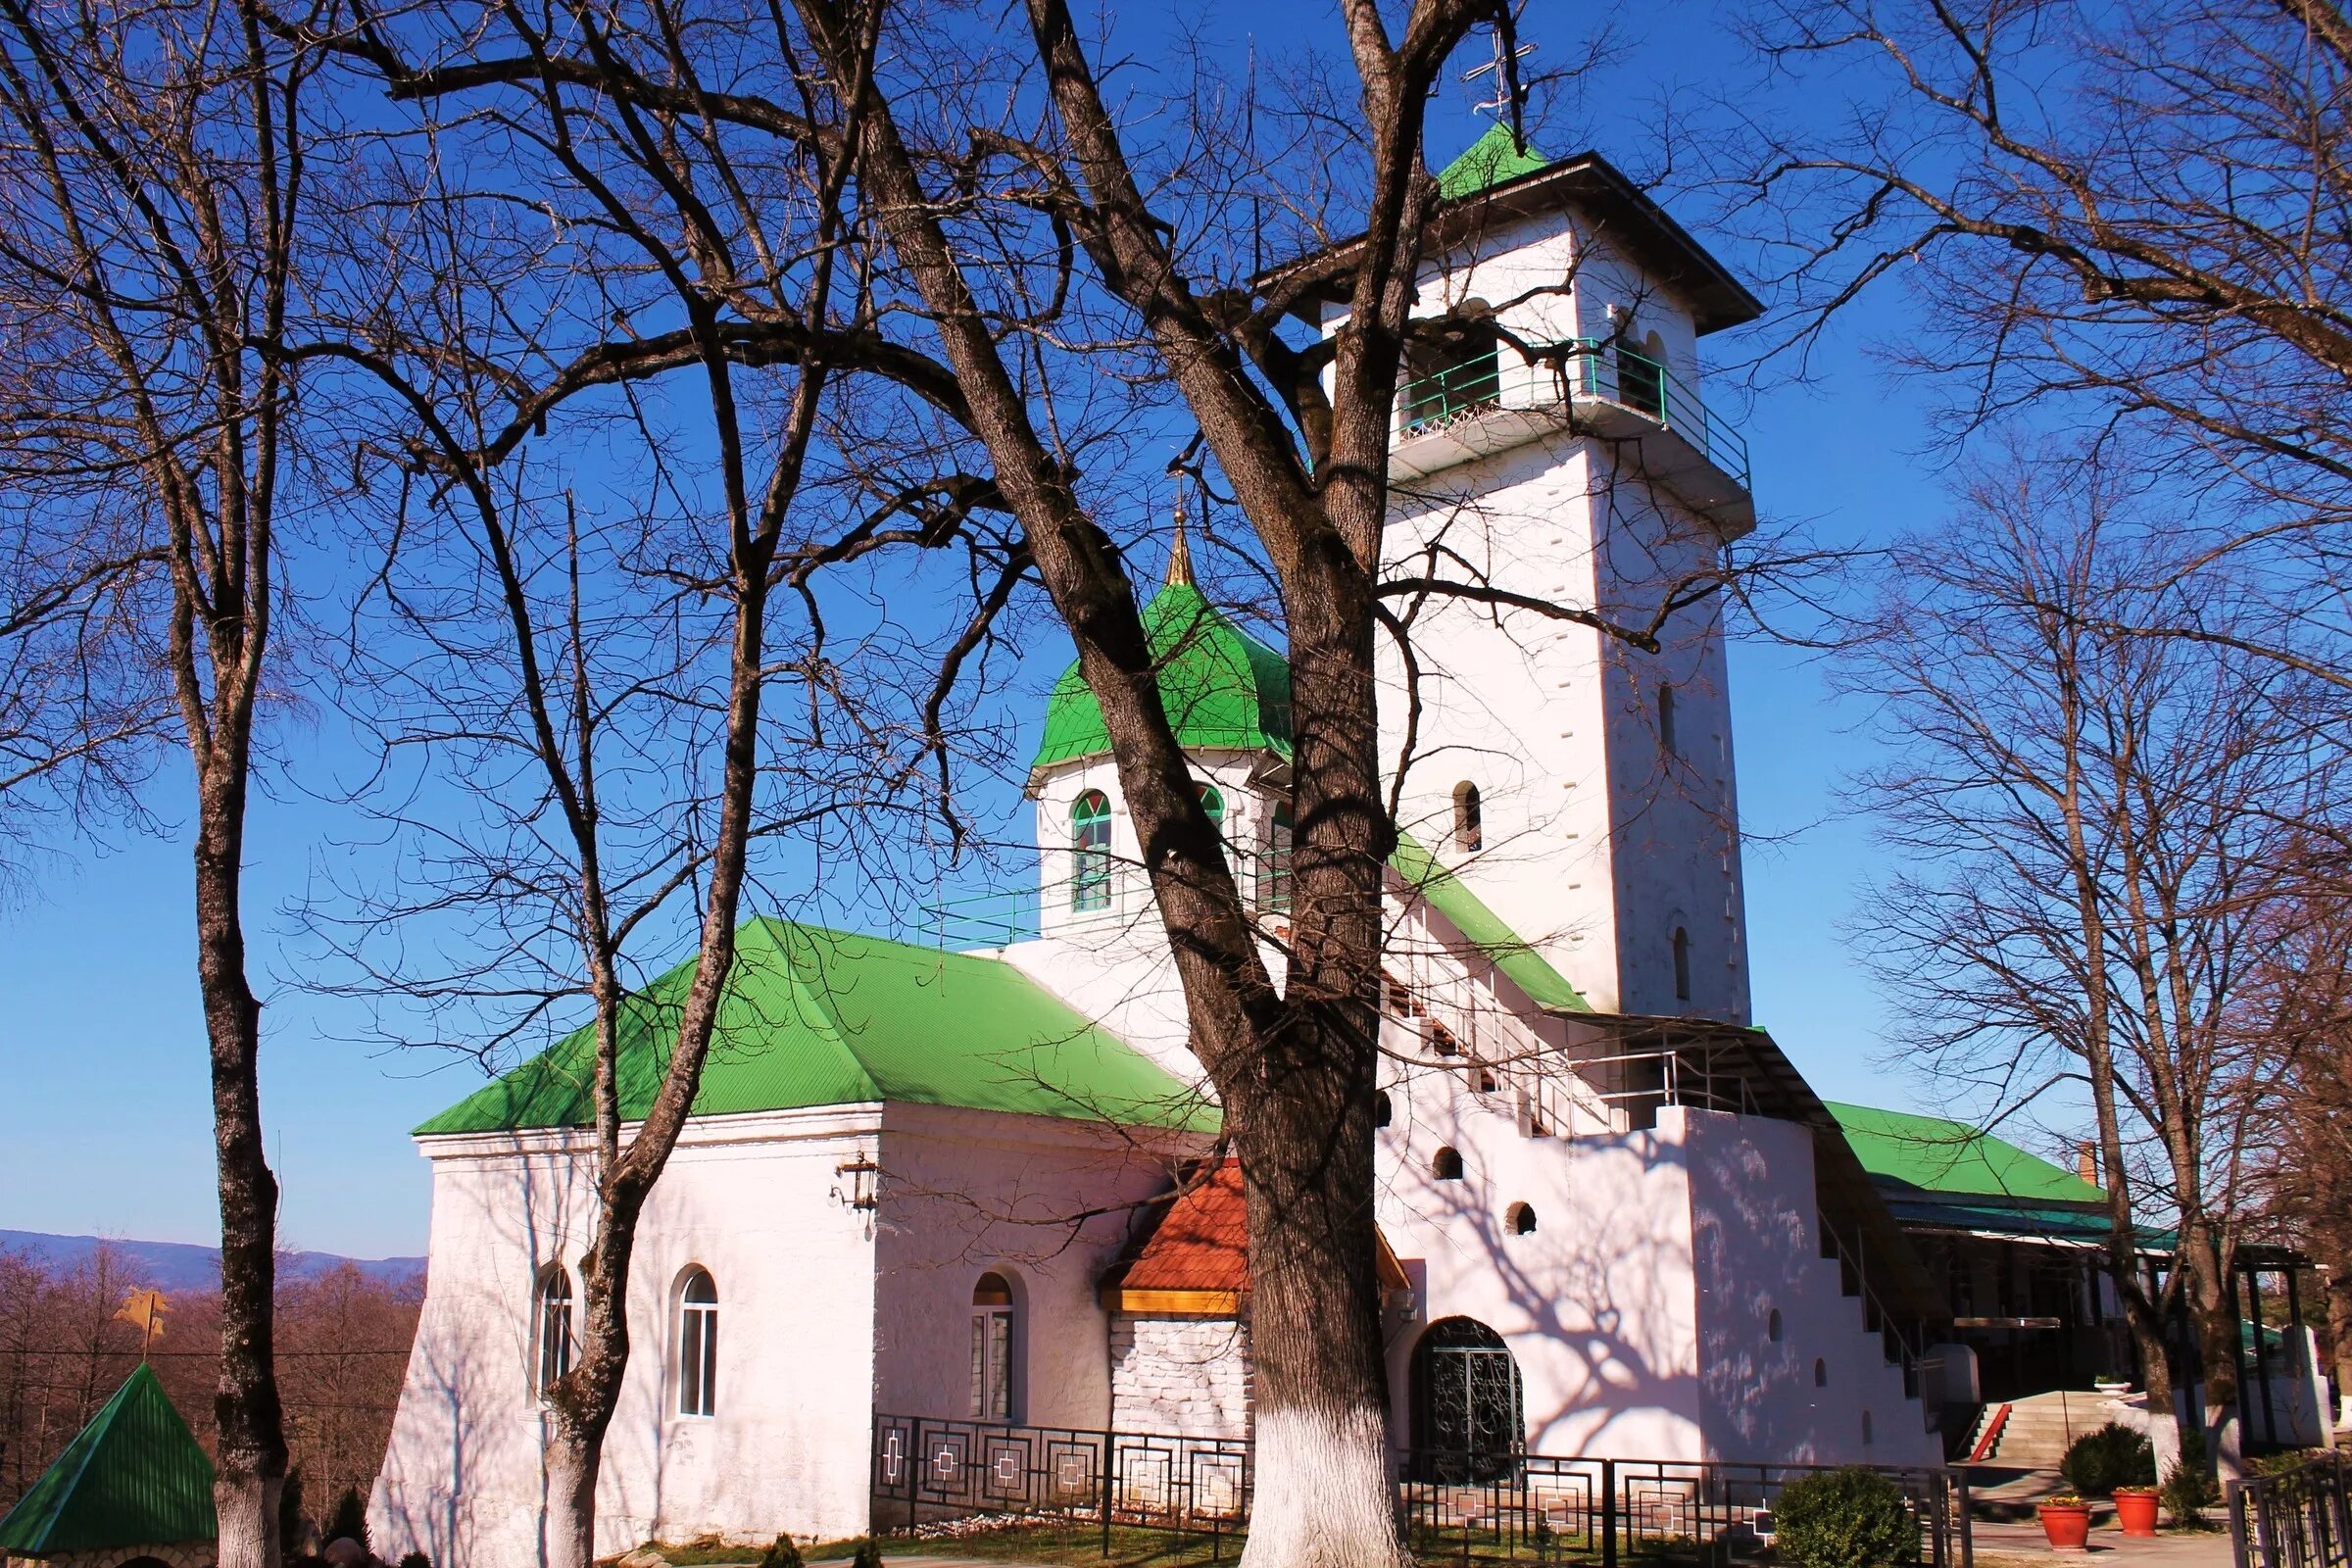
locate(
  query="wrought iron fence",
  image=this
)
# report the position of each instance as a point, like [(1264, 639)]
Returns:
[(1538, 1507), (1483, 1508), (2294, 1518)]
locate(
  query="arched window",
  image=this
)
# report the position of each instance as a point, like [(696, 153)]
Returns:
[(1453, 372), (1642, 376), (1681, 965), (1666, 740), (1821, 1373), (1447, 1165), (1771, 1326), (697, 1344), (1274, 862), (1381, 1110), (1469, 819), (992, 1349), (1521, 1217), (1867, 1434), (1212, 805), (1089, 851), (553, 1314)]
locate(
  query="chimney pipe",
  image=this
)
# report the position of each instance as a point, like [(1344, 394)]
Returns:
[(2086, 1162)]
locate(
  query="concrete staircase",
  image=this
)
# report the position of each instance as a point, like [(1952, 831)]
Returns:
[(2039, 1428)]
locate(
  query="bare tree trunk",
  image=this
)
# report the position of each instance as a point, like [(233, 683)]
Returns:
[(250, 1447)]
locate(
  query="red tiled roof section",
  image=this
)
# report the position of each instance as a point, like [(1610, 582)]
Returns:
[(1201, 1244), (1203, 1241)]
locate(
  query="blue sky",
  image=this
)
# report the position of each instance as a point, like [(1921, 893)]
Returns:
[(102, 1038)]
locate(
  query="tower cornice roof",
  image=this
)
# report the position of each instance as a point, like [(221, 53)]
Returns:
[(1490, 184)]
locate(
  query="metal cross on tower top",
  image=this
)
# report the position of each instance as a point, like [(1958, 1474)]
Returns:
[(1511, 93)]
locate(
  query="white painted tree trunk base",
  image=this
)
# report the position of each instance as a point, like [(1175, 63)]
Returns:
[(568, 1532), (1323, 1494)]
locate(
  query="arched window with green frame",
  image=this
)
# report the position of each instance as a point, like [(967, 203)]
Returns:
[(1089, 851)]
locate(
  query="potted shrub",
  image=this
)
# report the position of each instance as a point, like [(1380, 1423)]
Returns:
[(2135, 1510), (2065, 1521), (2113, 1456), (2112, 1384)]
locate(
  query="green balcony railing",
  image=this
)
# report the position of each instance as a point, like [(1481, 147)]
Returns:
[(1595, 369), (1470, 387)]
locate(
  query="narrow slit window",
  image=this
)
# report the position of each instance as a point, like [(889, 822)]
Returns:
[(556, 1345), (1666, 737), (1274, 863), (1681, 965), (992, 1349), (697, 1344), (1089, 851), (1469, 819)]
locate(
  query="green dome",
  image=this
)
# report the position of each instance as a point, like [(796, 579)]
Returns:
[(1492, 159), (1224, 689)]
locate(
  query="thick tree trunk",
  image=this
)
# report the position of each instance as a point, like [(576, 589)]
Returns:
[(567, 1526), (251, 1444), (2213, 1316), (2156, 1378), (1324, 1489)]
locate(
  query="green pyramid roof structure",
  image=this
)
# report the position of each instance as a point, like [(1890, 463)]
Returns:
[(134, 1477), (816, 1017), (1224, 690), (1495, 159)]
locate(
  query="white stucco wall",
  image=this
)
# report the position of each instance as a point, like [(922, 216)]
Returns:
[(1597, 1305), (1046, 1204), (1757, 1251), (748, 1197), (1186, 1376)]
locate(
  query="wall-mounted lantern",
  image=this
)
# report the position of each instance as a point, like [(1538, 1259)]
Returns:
[(859, 1183)]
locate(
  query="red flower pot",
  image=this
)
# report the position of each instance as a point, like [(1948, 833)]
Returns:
[(2067, 1525), (2135, 1511)]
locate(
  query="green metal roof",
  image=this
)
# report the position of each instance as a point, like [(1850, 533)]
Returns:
[(1526, 968), (134, 1477), (818, 1017), (1224, 690), (1924, 1154), (1490, 161)]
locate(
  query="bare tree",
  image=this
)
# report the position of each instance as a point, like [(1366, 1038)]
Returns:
[(157, 165), (600, 674), (1018, 229), (2129, 219), (2091, 823), (2301, 1154)]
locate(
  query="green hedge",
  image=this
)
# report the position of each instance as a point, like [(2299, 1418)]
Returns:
[(1852, 1518)]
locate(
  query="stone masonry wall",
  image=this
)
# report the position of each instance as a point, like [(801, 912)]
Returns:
[(1182, 1376)]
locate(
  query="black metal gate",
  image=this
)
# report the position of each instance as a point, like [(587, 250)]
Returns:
[(1469, 1421), (2295, 1518)]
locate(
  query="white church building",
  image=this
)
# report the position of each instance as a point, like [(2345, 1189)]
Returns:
[(933, 1181)]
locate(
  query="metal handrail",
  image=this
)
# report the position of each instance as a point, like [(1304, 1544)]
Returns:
[(1586, 368)]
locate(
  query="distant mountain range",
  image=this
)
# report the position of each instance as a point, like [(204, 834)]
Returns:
[(183, 1266)]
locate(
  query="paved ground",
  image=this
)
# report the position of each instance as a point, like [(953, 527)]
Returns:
[(2025, 1543)]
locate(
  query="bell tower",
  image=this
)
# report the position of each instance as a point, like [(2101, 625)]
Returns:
[(1570, 740)]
